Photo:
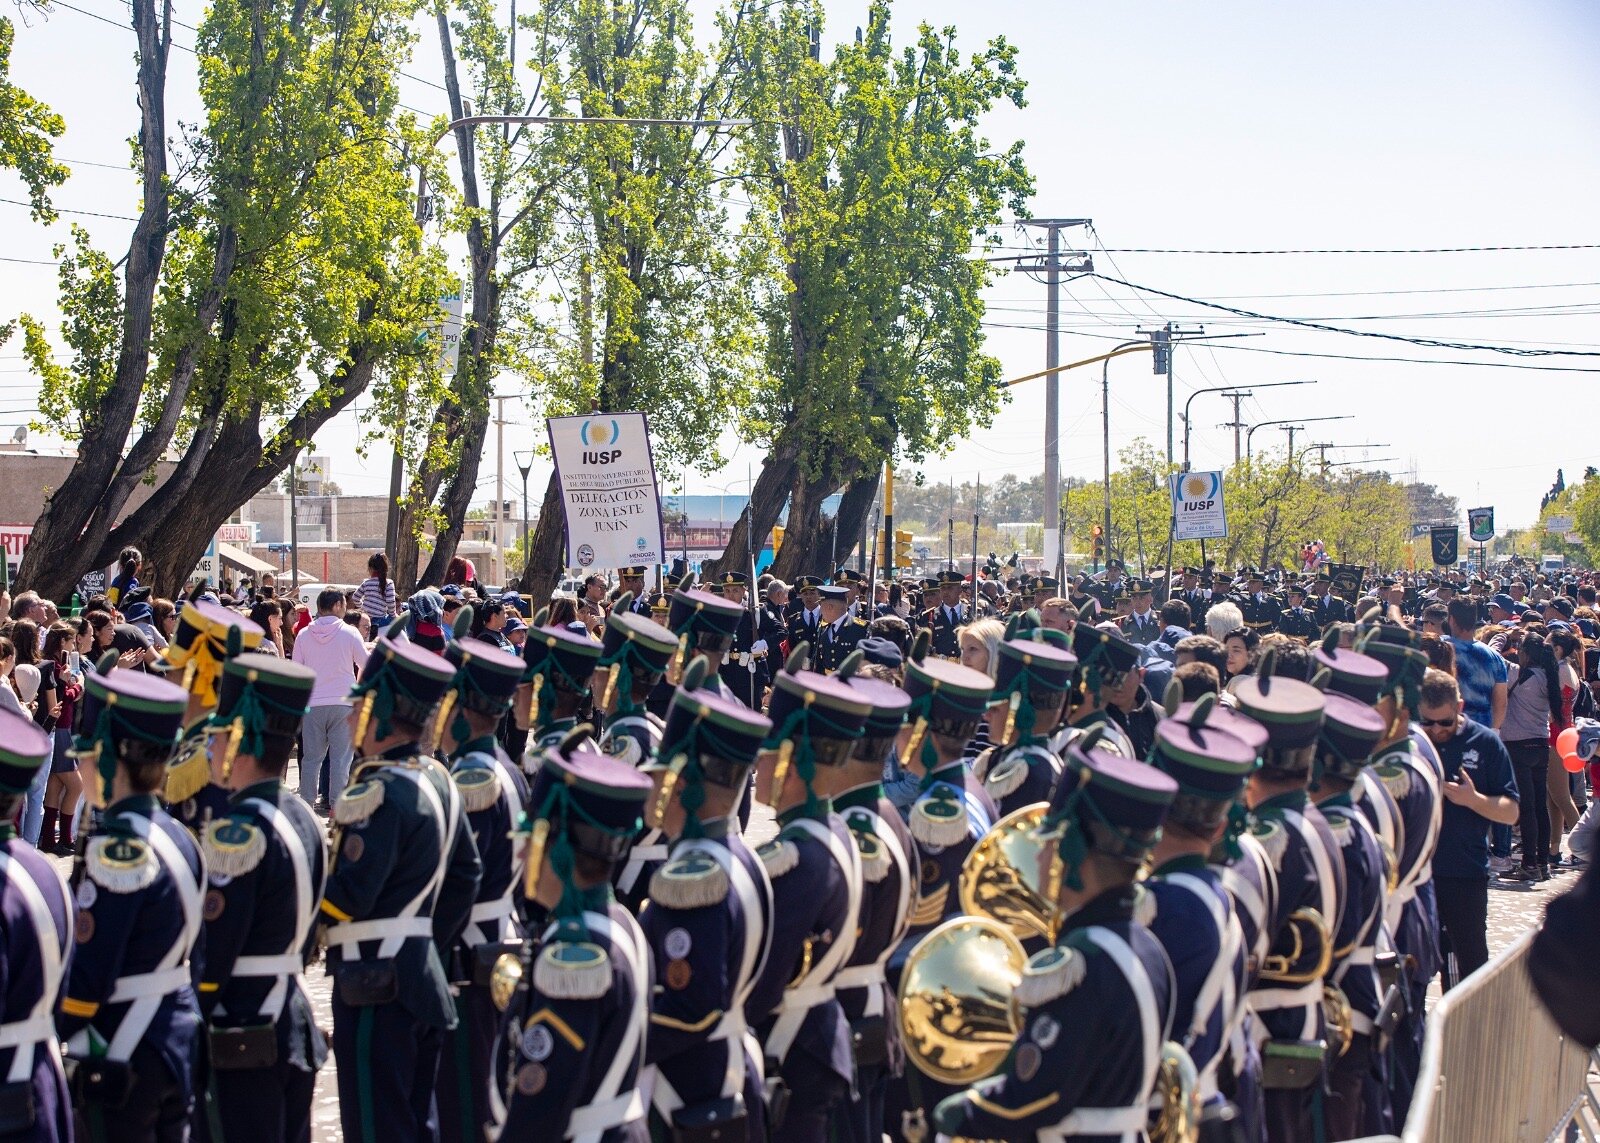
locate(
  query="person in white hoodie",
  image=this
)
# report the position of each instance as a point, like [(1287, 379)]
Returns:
[(333, 649)]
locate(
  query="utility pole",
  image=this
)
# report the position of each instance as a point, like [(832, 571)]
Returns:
[(1237, 424), (499, 553), (1291, 430), (1082, 264)]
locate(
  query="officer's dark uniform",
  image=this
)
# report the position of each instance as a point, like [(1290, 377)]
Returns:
[(558, 666), (1098, 1006), (1194, 918), (579, 1018), (951, 814), (836, 640), (401, 884), (889, 887), (129, 1015), (802, 621), (266, 859), (34, 946), (746, 684), (1287, 996), (708, 925), (638, 601), (1140, 629), (1296, 620), (943, 621), (702, 622), (1023, 769), (1325, 606), (203, 640), (815, 871), (1349, 732), (1260, 609), (493, 794)]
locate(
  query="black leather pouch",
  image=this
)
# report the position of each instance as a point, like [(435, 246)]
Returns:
[(777, 1094), (484, 957), (871, 1038), (719, 1121), (250, 1046), (1291, 1065), (363, 983), (106, 1083), (17, 1110)]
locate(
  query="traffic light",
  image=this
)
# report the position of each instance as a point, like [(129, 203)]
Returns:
[(1099, 541), (902, 548)]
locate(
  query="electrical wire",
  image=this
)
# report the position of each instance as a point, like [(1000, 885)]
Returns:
[(1357, 250), (65, 210)]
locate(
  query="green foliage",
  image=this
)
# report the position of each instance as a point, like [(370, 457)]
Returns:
[(91, 309), (27, 128)]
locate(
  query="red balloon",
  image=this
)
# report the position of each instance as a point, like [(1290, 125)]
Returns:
[(1573, 763), (1567, 742)]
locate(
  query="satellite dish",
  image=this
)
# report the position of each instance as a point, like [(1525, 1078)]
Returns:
[(21, 435)]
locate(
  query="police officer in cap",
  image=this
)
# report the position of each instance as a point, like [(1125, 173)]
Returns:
[(401, 883), (1194, 917), (1260, 609), (1295, 621), (1141, 625), (1326, 607), (744, 671), (1097, 1006), (705, 625), (202, 642), (266, 858), (839, 632), (579, 1019), (945, 616), (707, 924), (129, 1015), (1287, 997), (37, 940), (493, 794), (1350, 731), (630, 582), (889, 888), (558, 671), (1030, 693), (805, 610), (815, 871)]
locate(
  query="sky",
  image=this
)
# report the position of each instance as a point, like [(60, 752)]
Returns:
[(1175, 127)]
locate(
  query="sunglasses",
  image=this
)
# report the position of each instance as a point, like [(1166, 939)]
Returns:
[(1439, 722)]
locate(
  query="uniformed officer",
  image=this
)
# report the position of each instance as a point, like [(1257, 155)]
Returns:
[(493, 796), (580, 1018), (1325, 606), (401, 884), (855, 585), (1097, 1007), (705, 625), (949, 613), (202, 642), (1296, 620), (1141, 625), (1364, 678), (1194, 919), (1260, 609), (129, 1014), (266, 859), (1030, 692), (633, 658), (889, 886), (815, 871), (1287, 997), (839, 632), (744, 670), (1410, 771), (1104, 661), (951, 814), (805, 611), (37, 939), (630, 582), (558, 671), (708, 923), (1350, 730)]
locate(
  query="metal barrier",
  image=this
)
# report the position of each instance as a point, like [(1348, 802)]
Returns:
[(1496, 1069)]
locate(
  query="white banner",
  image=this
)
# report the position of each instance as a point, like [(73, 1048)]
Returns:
[(1558, 524), (608, 490), (1197, 506)]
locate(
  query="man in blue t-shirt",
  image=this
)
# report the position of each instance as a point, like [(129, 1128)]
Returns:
[(1479, 667), (1478, 789)]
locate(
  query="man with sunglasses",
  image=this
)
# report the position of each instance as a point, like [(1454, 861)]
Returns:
[(1479, 788)]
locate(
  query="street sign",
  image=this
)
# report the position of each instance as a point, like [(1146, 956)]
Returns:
[(609, 493), (1558, 524), (1480, 525), (1197, 506)]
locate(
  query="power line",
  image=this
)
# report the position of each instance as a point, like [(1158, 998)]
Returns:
[(65, 210), (1355, 250)]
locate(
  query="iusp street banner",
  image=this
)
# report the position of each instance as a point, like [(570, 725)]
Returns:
[(1480, 525), (608, 490), (1446, 545), (1197, 506)]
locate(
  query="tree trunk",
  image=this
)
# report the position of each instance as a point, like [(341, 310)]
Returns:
[(546, 559), (855, 515), (53, 562), (807, 537), (767, 498)]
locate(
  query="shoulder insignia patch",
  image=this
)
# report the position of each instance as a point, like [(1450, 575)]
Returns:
[(1396, 779), (572, 970), (358, 802), (233, 847), (875, 859), (779, 856), (939, 817), (479, 786), (1007, 778), (623, 747), (121, 864), (1049, 974), (691, 880), (1273, 838)]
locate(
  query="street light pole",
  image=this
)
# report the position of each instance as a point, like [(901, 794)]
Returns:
[(524, 462), (1222, 389), (1296, 421)]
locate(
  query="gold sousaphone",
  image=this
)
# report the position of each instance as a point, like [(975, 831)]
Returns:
[(957, 999), (1002, 878)]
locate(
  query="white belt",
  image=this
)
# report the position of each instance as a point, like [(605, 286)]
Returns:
[(808, 996), (34, 1030), (498, 909), (284, 964), (158, 983), (599, 1117), (1276, 999), (1403, 895), (860, 976), (380, 928), (1363, 1023), (648, 853), (1104, 1121), (1366, 954)]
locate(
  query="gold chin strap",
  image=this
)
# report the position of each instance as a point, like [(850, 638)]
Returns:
[(669, 783), (447, 706), (533, 701), (780, 773), (610, 687), (919, 731), (230, 749), (1011, 716), (675, 668), (364, 719), (1052, 891), (537, 840)]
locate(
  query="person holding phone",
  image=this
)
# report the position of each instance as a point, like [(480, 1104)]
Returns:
[(63, 785)]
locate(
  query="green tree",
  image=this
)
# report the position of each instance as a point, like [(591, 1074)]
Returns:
[(27, 129), (874, 191)]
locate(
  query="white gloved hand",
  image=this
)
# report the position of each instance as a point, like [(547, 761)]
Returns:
[(758, 647)]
